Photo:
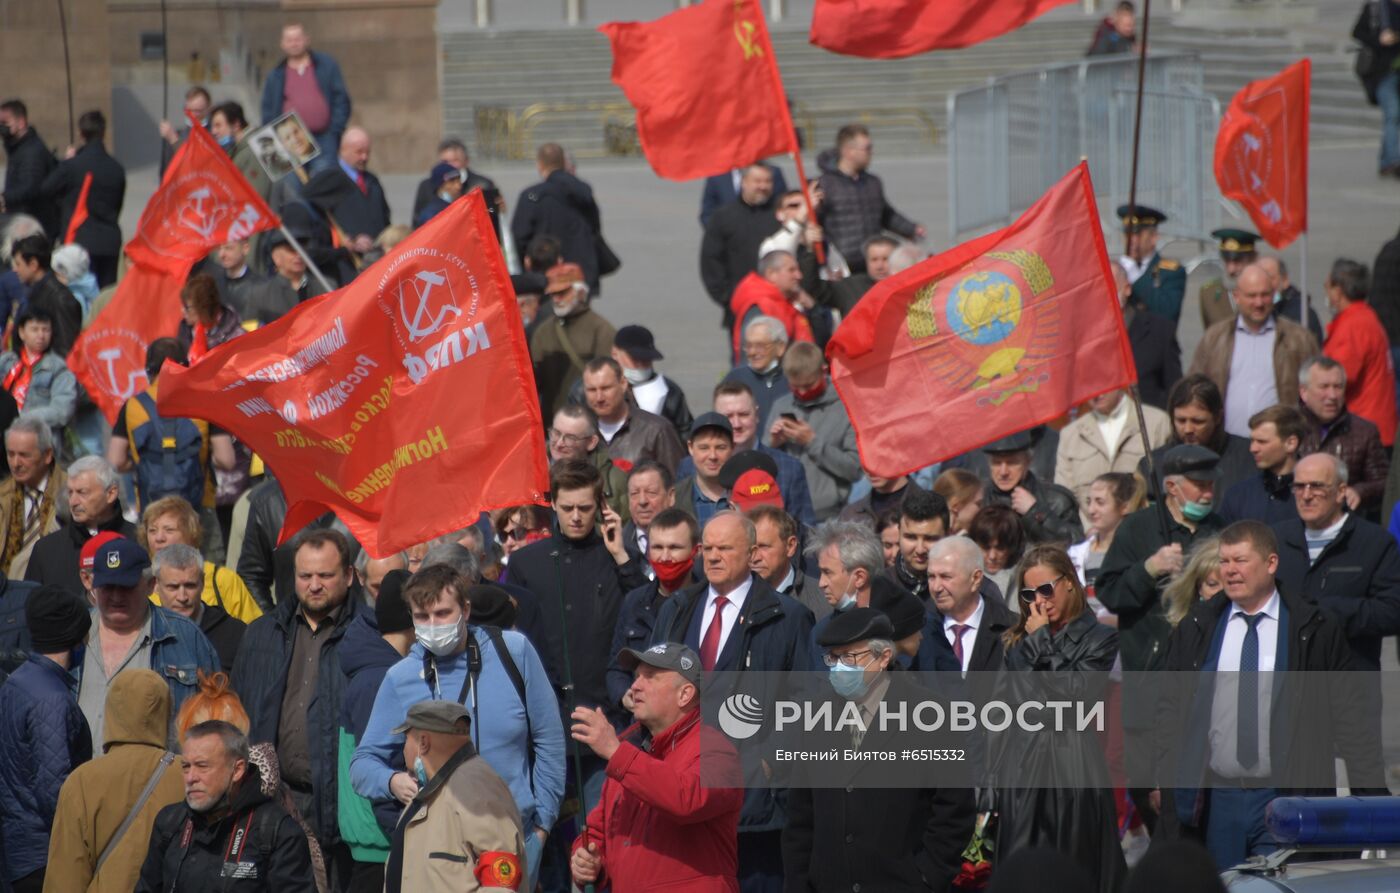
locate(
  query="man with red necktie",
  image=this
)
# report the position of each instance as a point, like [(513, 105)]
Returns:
[(350, 194)]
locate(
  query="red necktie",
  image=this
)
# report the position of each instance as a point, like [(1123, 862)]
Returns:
[(709, 646), (361, 182), (958, 630)]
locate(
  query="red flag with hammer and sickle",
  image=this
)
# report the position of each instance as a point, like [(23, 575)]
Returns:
[(892, 29)]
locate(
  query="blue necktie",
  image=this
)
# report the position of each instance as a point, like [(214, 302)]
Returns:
[(1247, 742)]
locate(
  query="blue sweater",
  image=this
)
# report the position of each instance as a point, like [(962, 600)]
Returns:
[(498, 724)]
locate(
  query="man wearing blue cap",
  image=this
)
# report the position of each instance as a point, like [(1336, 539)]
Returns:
[(1158, 282), (448, 181)]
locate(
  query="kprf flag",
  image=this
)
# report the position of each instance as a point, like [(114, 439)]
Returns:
[(998, 334), (1261, 152), (705, 85), (892, 29), (404, 402), (203, 201)]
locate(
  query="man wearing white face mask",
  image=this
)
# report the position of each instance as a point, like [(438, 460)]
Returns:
[(493, 673), (850, 559)]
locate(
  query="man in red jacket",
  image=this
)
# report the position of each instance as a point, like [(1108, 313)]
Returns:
[(1357, 339), (776, 291), (656, 824)]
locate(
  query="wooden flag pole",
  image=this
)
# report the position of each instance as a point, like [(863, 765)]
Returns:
[(68, 72), (819, 249), (1137, 123)]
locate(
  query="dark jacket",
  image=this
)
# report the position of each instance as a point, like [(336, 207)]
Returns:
[(1264, 497), (1077, 817), (729, 249), (101, 233), (428, 190), (53, 297), (43, 737), (1236, 464), (14, 632), (1290, 306), (772, 635), (1053, 518), (807, 592), (331, 82), (274, 844), (646, 436), (767, 387), (853, 210), (226, 328), (1384, 297), (635, 622), (792, 482), (55, 556), (263, 564), (1357, 442), (235, 293), (356, 213), (260, 678), (224, 632), (1356, 581), (364, 659), (988, 651), (719, 191), (1156, 353), (562, 206), (1126, 588), (871, 838), (28, 163)]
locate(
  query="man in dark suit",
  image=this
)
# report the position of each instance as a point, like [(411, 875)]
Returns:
[(729, 249), (350, 194), (961, 611), (96, 207), (562, 206), (721, 189), (1156, 353), (30, 259)]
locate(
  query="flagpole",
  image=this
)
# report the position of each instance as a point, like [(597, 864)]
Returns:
[(818, 248), (1154, 484), (310, 264), (1303, 278), (1137, 128), (68, 72)]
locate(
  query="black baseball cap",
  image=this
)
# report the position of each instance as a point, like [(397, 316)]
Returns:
[(710, 420), (638, 343)]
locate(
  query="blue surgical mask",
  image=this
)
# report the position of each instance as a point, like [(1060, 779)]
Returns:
[(420, 772), (226, 140), (1195, 511), (849, 682)]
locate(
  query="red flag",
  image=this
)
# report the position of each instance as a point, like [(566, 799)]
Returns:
[(109, 357), (203, 202), (1261, 152), (892, 29), (705, 84), (998, 334), (80, 211), (404, 402)]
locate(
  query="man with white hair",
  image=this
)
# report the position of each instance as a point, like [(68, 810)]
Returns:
[(93, 507), (178, 577), (30, 499), (765, 340), (775, 290), (972, 623), (571, 336)]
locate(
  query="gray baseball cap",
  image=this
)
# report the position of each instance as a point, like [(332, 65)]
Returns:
[(664, 656)]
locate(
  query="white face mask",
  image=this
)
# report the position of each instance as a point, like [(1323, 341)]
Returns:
[(637, 376), (440, 640)]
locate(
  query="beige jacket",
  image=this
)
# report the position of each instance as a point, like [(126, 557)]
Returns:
[(56, 517), (1083, 455), (465, 811), (1293, 344)]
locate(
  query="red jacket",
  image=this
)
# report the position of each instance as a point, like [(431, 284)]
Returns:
[(1357, 340), (658, 826), (755, 291)]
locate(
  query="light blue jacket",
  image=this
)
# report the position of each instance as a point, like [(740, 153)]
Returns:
[(498, 724)]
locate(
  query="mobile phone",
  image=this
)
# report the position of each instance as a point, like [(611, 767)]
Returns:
[(791, 417)]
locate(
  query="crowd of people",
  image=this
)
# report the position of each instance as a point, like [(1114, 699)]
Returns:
[(516, 704)]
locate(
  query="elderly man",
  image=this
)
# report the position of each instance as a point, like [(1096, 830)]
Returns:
[(179, 582), (1107, 438), (850, 564), (844, 294), (372, 570), (972, 623), (774, 289), (811, 425), (702, 493), (569, 338), (765, 340), (1347, 566), (1253, 359), (854, 206), (1158, 283), (309, 83), (1333, 428), (92, 507), (131, 633), (461, 831), (1048, 512), (651, 489), (196, 843), (288, 674), (1275, 434), (878, 838), (1357, 339), (1237, 251), (657, 823), (30, 498), (775, 558), (632, 433), (729, 249), (351, 194), (774, 637)]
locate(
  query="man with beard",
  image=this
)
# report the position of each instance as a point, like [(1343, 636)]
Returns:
[(562, 345)]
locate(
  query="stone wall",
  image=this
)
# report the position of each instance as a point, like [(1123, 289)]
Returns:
[(31, 62)]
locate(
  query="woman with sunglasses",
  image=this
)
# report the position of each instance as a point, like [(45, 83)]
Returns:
[(1064, 797)]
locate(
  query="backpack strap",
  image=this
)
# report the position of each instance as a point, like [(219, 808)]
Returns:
[(164, 432), (513, 671), (165, 760)]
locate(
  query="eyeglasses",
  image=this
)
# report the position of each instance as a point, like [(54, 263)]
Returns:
[(571, 439), (1044, 590), (515, 534), (1311, 487), (847, 659)]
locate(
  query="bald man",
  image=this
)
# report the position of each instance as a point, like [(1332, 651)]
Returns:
[(1253, 358), (350, 194), (309, 83)]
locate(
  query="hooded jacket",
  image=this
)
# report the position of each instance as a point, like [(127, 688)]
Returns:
[(831, 460), (99, 795)]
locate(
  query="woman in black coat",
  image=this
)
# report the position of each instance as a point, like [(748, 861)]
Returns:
[(1063, 796)]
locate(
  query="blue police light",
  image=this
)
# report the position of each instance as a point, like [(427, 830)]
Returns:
[(1335, 821)]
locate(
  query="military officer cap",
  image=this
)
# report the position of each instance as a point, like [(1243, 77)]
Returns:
[(855, 625), (1012, 444), (1140, 217), (1191, 461), (1236, 243)]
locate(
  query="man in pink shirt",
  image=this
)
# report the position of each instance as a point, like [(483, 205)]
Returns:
[(1357, 339), (310, 84)]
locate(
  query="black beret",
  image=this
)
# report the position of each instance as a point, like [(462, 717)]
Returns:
[(904, 608), (57, 619), (1012, 443), (390, 610), (855, 625), (491, 606)]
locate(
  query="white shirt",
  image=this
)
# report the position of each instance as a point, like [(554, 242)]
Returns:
[(1111, 426), (733, 607), (786, 586), (609, 429), (1224, 709), (973, 624), (1134, 268), (651, 394)]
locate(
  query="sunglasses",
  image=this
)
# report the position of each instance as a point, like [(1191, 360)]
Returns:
[(515, 534), (1044, 590)]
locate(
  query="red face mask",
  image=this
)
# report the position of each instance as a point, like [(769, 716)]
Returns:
[(673, 573), (816, 391)]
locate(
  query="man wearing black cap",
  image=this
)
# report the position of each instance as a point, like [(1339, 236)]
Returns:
[(711, 442), (659, 822), (374, 641), (43, 734), (1048, 511), (634, 348), (1158, 282), (873, 838), (1237, 251)]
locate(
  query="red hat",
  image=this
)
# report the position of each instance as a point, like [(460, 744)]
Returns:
[(562, 277), (753, 488), (87, 556)]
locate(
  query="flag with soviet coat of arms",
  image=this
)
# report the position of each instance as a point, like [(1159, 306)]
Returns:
[(992, 337)]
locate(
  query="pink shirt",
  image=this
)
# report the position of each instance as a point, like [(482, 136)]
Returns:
[(303, 95)]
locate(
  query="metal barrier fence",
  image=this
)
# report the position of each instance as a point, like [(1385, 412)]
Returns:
[(1013, 138)]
